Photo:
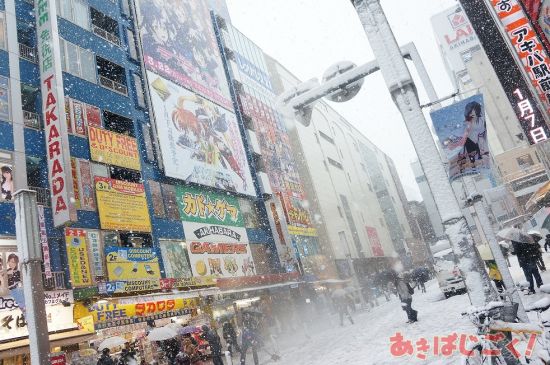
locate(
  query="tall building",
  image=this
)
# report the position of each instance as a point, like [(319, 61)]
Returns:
[(351, 187)]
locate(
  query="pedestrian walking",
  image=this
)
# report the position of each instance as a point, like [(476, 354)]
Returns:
[(215, 344), (230, 336), (547, 243), (405, 292), (537, 237), (250, 340), (105, 358), (340, 300), (495, 275), (527, 254)]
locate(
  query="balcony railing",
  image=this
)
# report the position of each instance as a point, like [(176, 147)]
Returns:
[(113, 85), (28, 53), (42, 195), (56, 282), (32, 120), (110, 37)]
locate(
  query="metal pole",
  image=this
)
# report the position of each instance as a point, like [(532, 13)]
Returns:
[(487, 229), (28, 243), (403, 91)]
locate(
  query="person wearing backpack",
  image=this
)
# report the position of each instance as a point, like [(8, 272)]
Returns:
[(405, 292)]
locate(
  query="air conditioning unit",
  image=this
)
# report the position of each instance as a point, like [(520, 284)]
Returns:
[(265, 186), (253, 142)]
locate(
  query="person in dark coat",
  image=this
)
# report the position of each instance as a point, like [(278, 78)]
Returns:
[(250, 339), (527, 254), (215, 344), (547, 242), (230, 336), (105, 358), (405, 291)]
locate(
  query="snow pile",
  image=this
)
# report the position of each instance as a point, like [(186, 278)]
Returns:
[(545, 288), (539, 304)]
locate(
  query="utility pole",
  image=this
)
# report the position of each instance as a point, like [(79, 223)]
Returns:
[(28, 244), (404, 93)]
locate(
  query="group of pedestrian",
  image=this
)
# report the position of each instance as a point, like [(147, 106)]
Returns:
[(529, 256), (127, 357)]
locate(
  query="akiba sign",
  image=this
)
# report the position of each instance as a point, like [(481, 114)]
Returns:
[(55, 126), (216, 230)]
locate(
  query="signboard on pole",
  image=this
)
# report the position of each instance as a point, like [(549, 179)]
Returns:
[(55, 124), (462, 132)]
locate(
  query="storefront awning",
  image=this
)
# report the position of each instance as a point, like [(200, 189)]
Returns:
[(262, 287), (20, 347)]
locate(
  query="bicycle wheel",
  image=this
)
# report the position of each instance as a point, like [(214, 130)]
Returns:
[(476, 356)]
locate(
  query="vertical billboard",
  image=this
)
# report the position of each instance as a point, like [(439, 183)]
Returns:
[(77, 257), (374, 240), (200, 141), (462, 132), (179, 44), (55, 124), (215, 234)]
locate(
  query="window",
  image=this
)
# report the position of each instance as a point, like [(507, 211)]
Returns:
[(3, 44), (100, 170), (525, 161), (132, 48), (120, 173), (4, 98), (420, 179), (327, 138), (79, 115), (335, 163), (104, 26), (156, 195), (75, 11), (111, 75), (6, 176), (125, 6), (118, 123), (169, 195), (140, 93), (148, 141), (29, 99), (77, 61)]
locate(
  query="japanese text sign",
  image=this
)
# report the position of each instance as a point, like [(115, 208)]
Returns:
[(77, 256), (206, 207)]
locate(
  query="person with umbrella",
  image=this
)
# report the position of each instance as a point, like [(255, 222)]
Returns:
[(340, 300), (536, 236), (250, 338), (527, 253), (230, 336), (105, 358), (405, 292), (547, 242)]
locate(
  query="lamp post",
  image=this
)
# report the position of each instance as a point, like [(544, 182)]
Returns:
[(345, 83)]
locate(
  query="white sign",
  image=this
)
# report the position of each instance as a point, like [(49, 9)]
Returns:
[(456, 37), (53, 110), (13, 324), (197, 231), (199, 140), (53, 297)]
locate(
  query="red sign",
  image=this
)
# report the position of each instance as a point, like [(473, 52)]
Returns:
[(375, 244), (534, 60), (58, 358)]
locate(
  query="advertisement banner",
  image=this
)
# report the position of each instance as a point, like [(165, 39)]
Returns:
[(87, 200), (129, 286), (175, 259), (13, 324), (55, 123), (96, 249), (221, 260), (534, 60), (200, 142), (278, 160), (58, 358), (374, 240), (44, 243), (113, 148), (126, 263), (53, 297), (122, 205), (208, 207), (462, 132), (180, 45), (111, 314), (77, 256)]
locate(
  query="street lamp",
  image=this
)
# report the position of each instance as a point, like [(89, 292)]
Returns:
[(389, 60)]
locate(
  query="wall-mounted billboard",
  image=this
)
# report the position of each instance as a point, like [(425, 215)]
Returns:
[(200, 141)]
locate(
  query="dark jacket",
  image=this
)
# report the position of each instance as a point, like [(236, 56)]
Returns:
[(105, 360), (214, 341), (229, 331), (527, 253)]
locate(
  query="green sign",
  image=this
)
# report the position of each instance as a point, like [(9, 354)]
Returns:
[(201, 206)]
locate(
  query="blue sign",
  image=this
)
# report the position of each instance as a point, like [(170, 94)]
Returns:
[(253, 71)]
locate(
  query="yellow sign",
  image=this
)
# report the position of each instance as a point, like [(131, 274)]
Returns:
[(113, 314), (127, 263), (302, 231), (77, 255), (122, 205), (113, 148), (86, 323)]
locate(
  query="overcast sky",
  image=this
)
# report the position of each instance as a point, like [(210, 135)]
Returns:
[(307, 36)]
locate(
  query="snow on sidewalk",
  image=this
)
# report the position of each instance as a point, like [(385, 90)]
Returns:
[(368, 340)]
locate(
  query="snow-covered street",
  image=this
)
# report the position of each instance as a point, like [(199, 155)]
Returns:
[(368, 340)]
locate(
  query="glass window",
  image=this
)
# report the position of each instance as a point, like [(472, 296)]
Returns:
[(73, 64), (131, 44), (7, 175), (100, 170), (80, 16), (169, 195), (156, 194), (149, 150), (4, 98), (126, 8), (3, 44), (63, 54), (88, 65), (65, 9), (140, 93)]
